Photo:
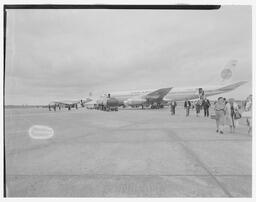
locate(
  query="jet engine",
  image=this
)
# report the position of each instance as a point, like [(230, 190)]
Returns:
[(135, 101)]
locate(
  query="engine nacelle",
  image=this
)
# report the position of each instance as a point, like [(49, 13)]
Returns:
[(135, 101)]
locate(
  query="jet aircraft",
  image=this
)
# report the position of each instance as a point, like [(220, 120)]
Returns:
[(160, 97), (68, 104)]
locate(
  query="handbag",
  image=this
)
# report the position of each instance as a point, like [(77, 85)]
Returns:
[(237, 115)]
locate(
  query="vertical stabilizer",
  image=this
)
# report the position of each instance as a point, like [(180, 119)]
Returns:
[(227, 73)]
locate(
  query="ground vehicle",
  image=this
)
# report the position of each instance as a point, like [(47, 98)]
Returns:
[(108, 104), (157, 106)]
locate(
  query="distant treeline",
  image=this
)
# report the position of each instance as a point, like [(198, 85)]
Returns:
[(24, 106)]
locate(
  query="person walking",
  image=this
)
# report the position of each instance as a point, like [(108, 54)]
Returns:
[(248, 113), (198, 107), (82, 103), (225, 101), (173, 106), (220, 110), (206, 105), (187, 106), (193, 105), (230, 115)]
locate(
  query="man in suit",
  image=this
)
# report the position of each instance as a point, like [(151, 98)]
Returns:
[(206, 104), (198, 107), (173, 106), (187, 106)]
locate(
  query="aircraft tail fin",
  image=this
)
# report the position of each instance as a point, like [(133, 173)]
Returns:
[(227, 73)]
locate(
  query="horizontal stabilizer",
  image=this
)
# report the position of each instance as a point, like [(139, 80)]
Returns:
[(232, 86)]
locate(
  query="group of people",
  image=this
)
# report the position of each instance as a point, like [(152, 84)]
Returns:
[(200, 104), (227, 112), (248, 112), (55, 106)]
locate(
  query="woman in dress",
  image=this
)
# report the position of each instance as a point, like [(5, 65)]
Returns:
[(198, 106), (248, 113), (230, 112), (220, 111)]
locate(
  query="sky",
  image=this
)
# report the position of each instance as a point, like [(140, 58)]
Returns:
[(66, 54)]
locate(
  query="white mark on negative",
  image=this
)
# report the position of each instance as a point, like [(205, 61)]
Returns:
[(40, 132)]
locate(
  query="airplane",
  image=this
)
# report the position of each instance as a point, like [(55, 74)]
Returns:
[(68, 104), (159, 97), (136, 98)]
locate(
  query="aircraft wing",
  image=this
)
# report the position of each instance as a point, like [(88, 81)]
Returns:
[(92, 102), (65, 102), (71, 102), (158, 94)]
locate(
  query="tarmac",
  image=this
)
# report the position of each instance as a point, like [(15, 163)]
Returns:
[(129, 153)]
